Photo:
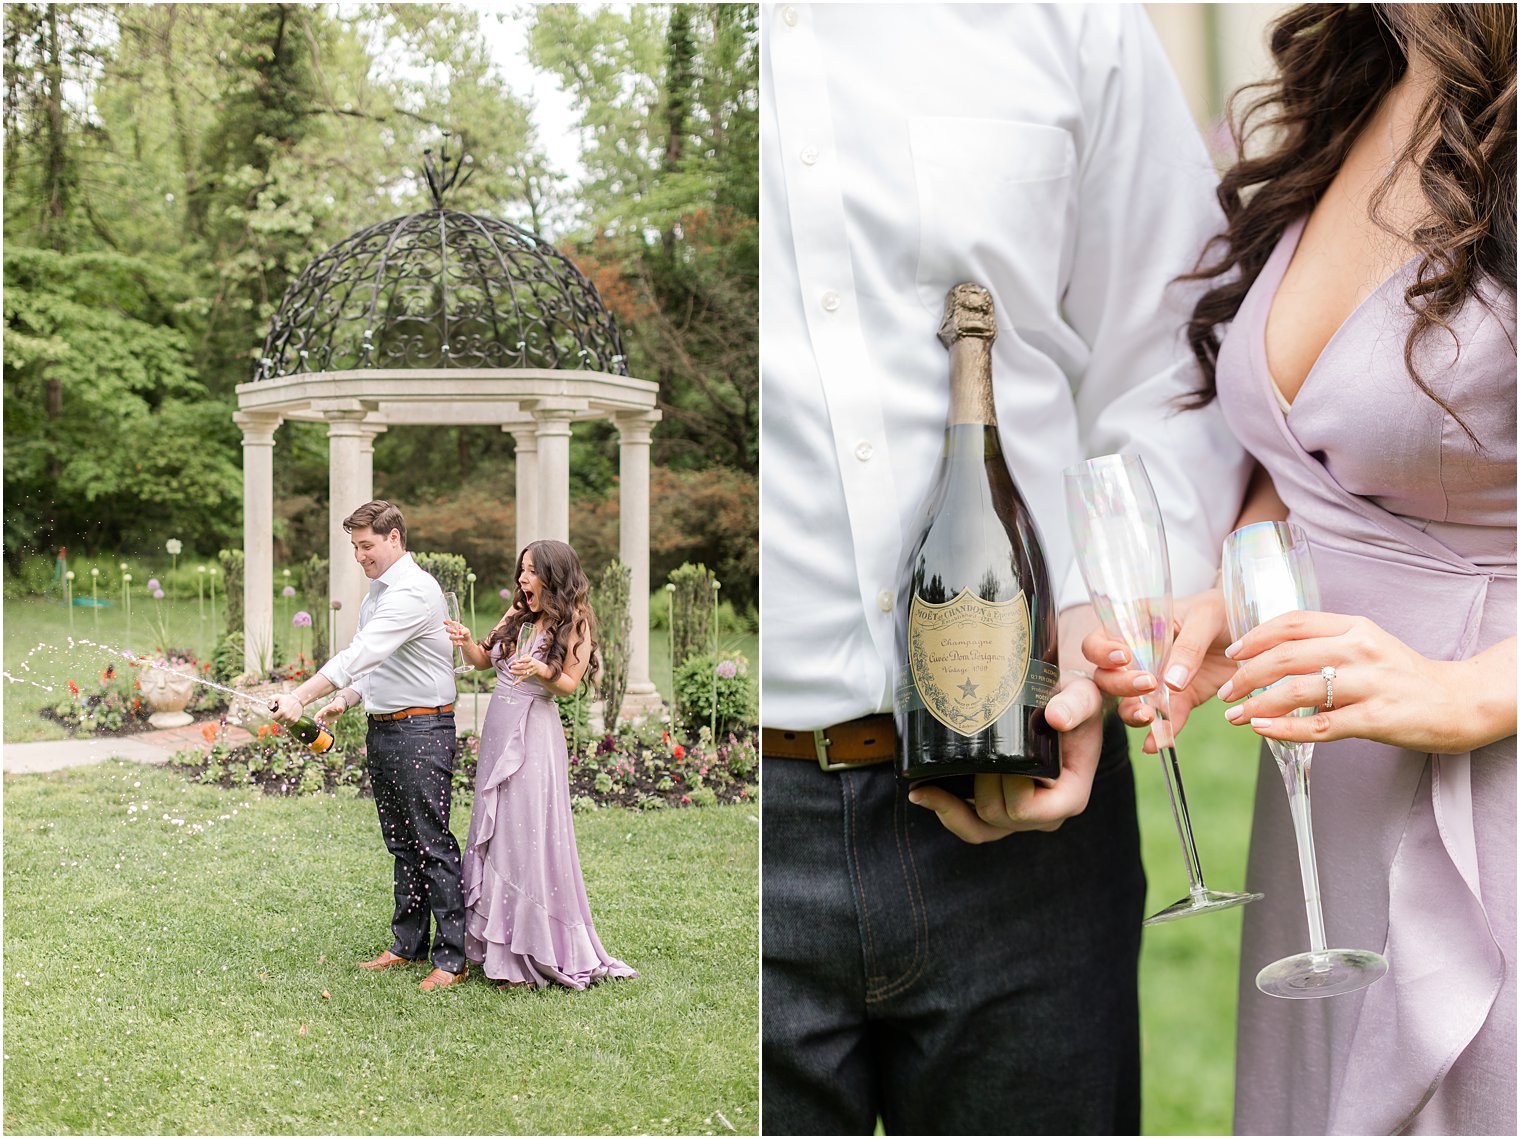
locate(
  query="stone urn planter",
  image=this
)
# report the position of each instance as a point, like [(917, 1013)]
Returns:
[(167, 688)]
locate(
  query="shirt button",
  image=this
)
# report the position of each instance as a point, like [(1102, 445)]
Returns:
[(829, 300), (809, 155), (864, 450), (884, 600), (789, 14)]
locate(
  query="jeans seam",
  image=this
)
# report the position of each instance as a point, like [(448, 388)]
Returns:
[(863, 912), (920, 960)]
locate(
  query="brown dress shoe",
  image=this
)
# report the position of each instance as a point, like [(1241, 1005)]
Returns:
[(385, 961), (440, 979)]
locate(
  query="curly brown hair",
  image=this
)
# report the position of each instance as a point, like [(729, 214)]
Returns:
[(565, 601), (1335, 63)]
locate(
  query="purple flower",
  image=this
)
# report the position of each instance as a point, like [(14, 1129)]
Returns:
[(158, 595), (506, 595), (728, 669), (302, 619), (288, 591), (153, 585), (336, 604)]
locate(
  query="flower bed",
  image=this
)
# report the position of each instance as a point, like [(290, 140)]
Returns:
[(114, 705), (636, 766)]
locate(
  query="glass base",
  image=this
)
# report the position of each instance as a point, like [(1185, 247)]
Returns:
[(1327, 974), (1205, 901)]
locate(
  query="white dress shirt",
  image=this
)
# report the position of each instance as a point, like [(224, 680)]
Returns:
[(1043, 151), (401, 657)]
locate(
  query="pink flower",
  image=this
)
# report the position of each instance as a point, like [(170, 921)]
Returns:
[(728, 669), (158, 595), (153, 586), (288, 591), (302, 619), (506, 595)]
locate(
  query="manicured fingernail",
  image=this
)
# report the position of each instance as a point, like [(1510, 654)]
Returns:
[(1176, 676), (1235, 715), (1145, 715), (1144, 682), (1225, 689), (1261, 721), (1232, 650), (1118, 656)]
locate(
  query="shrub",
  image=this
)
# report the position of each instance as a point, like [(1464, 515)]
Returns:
[(451, 570), (701, 677), (691, 631), (232, 586), (227, 658), (614, 633)]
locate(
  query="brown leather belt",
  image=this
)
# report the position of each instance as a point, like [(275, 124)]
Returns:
[(405, 712), (854, 743)]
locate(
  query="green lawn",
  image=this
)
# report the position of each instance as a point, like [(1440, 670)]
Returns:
[(1188, 967), (33, 622), (165, 977)]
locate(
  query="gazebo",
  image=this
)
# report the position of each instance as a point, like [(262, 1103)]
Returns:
[(444, 318)]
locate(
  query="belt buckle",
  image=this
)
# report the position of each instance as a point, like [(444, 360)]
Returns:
[(822, 743)]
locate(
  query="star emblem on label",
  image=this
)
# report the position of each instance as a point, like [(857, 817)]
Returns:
[(969, 688)]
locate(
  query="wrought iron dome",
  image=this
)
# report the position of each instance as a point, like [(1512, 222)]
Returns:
[(441, 289)]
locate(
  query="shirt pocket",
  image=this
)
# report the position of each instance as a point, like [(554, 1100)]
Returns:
[(994, 204)]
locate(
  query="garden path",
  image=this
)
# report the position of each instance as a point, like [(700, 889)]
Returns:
[(141, 747)]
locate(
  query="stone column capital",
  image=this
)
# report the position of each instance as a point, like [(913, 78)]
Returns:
[(553, 421), (634, 427), (525, 435), (258, 427)]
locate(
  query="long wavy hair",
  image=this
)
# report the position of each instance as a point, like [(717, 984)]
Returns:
[(1335, 63), (564, 598)]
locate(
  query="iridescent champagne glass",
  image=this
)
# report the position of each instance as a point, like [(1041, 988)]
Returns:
[(1121, 548), (1268, 572)]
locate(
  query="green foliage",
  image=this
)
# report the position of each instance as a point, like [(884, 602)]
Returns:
[(575, 717), (609, 601), (451, 570), (691, 631), (231, 562), (227, 659), (702, 678), (315, 587)]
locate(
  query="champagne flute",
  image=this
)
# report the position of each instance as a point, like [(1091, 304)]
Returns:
[(1268, 572), (525, 635), (1121, 548), (451, 610)]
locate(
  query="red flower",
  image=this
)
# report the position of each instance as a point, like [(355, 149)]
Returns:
[(679, 752), (74, 688), (209, 731)]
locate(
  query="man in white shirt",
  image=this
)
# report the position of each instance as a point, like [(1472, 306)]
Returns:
[(1045, 153), (400, 666)]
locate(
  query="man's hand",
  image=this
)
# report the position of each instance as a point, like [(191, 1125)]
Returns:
[(286, 709), (331, 711), (1003, 804)]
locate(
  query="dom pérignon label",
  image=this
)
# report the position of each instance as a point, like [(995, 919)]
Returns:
[(977, 633)]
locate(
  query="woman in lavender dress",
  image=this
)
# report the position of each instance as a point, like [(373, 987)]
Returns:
[(527, 919), (1368, 281)]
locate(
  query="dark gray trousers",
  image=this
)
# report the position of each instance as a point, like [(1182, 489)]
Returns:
[(411, 768), (945, 987)]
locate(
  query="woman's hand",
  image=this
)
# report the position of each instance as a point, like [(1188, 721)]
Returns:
[(1383, 689), (1194, 669), (524, 667), (457, 633)]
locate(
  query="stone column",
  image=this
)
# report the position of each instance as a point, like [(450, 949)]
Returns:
[(633, 550), (527, 483), (258, 537), (350, 459), (553, 472)]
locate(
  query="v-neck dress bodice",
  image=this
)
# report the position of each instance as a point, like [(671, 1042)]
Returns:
[(1412, 525)]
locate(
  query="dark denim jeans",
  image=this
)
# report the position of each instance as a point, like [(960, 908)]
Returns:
[(411, 767), (946, 987)]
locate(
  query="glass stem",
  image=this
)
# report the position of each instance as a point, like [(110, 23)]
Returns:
[(1166, 749), (1295, 773)]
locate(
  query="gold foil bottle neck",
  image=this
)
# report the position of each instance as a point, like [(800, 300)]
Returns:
[(968, 330), (968, 312)]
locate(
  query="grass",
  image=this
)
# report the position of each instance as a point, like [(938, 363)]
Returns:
[(1188, 968), (33, 621), (164, 978)]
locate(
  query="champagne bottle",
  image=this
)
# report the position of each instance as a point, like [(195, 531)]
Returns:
[(316, 738), (976, 633)]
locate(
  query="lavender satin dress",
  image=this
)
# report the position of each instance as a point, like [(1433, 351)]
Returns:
[(527, 918), (1414, 527)]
